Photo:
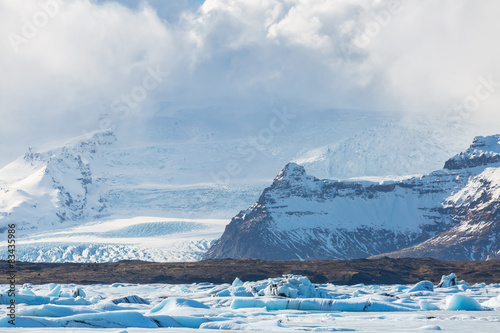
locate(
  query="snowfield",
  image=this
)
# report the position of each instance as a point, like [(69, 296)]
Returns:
[(287, 304)]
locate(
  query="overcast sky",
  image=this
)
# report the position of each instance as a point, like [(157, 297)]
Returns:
[(65, 64)]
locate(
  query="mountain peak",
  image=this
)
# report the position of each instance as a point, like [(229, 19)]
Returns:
[(484, 151), (291, 171), (487, 143)]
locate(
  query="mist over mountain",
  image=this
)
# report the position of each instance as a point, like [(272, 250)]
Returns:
[(203, 102), (95, 64)]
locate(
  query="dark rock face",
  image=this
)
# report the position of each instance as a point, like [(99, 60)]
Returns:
[(448, 214), (483, 151), (477, 233)]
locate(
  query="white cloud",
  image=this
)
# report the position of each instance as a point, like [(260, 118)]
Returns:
[(423, 56)]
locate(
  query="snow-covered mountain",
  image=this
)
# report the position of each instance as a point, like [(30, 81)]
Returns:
[(95, 199), (302, 217), (43, 190), (475, 209), (168, 193)]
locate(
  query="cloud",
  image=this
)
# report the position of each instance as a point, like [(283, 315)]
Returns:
[(64, 67)]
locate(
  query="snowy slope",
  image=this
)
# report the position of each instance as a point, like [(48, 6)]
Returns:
[(394, 148), (302, 217), (43, 190), (149, 192), (475, 208)]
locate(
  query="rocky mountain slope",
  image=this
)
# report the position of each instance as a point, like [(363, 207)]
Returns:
[(475, 209), (450, 213)]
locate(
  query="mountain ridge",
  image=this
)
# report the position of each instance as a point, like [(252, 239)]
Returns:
[(302, 217)]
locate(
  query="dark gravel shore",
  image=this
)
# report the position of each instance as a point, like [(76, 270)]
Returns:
[(368, 271)]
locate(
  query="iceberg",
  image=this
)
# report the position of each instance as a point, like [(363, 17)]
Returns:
[(178, 306), (320, 304), (427, 306), (462, 302), (50, 310), (78, 292), (492, 302), (291, 286), (447, 281), (422, 286), (55, 290), (130, 299)]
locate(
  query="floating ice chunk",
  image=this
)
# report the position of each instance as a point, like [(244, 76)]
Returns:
[(398, 288), (224, 293), (237, 325), (237, 288), (480, 285), (26, 291), (240, 292), (55, 291), (462, 302), (225, 325), (119, 319), (109, 306), (70, 301), (165, 321), (189, 321), (78, 292), (27, 322), (447, 281), (95, 299), (25, 299), (122, 319), (39, 300), (422, 286), (131, 299), (185, 289), (179, 306), (431, 328), (49, 310), (427, 306), (292, 286), (319, 304), (492, 302), (237, 283)]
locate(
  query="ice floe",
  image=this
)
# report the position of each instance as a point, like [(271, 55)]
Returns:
[(288, 303)]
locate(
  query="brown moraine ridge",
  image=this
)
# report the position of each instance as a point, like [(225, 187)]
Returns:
[(367, 271)]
